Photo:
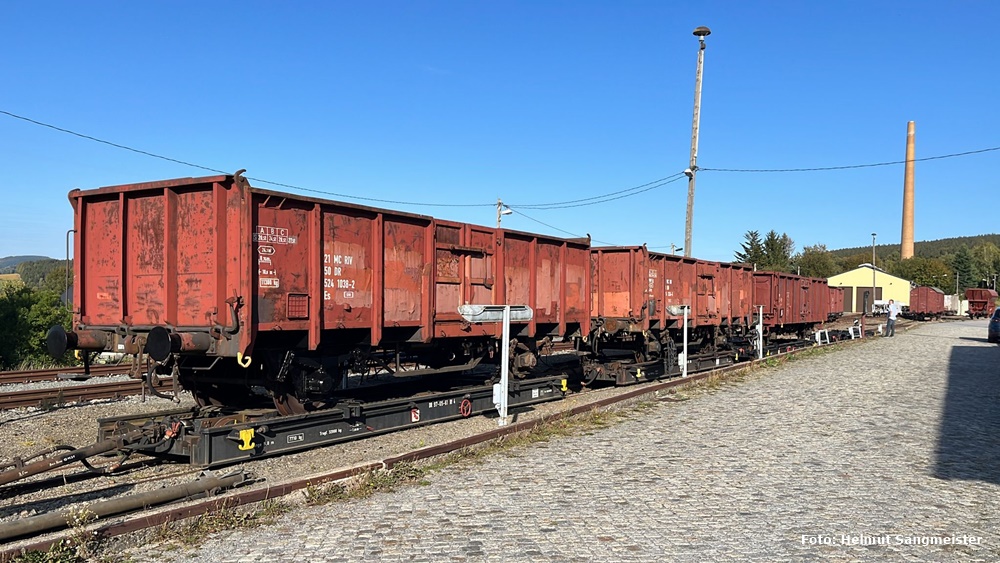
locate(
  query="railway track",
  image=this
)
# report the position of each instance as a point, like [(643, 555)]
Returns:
[(58, 374), (51, 397), (251, 494)]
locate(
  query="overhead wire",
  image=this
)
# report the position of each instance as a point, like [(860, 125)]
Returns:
[(625, 193), (851, 166), (574, 235), (554, 205), (594, 200)]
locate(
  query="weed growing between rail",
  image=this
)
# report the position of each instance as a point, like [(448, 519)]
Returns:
[(191, 532), (81, 545)]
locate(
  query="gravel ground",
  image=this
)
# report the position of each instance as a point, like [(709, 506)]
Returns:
[(25, 431), (870, 454)]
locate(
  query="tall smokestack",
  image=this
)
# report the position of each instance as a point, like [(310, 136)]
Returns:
[(907, 239)]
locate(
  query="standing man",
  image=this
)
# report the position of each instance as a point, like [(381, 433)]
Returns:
[(890, 325)]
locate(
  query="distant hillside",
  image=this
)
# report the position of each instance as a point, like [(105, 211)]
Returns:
[(9, 264), (924, 249)]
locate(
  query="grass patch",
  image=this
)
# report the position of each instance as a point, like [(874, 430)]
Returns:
[(193, 531)]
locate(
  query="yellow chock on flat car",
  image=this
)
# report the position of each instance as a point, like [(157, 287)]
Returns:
[(246, 436)]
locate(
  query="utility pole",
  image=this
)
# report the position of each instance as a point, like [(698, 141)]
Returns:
[(873, 274), (700, 32), (501, 211)]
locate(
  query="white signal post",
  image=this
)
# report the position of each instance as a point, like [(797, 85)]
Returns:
[(684, 366), (760, 332), (503, 314)]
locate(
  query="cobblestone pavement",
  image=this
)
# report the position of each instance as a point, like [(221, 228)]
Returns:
[(890, 442)]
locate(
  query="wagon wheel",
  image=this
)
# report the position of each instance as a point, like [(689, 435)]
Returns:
[(216, 395), (287, 403)]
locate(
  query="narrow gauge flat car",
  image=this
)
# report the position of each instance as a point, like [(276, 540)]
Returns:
[(232, 287)]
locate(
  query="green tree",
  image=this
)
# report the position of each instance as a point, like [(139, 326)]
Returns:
[(56, 279), (986, 258), (816, 261), (33, 273), (854, 260), (963, 265), (778, 250), (925, 271), (753, 249), (25, 317)]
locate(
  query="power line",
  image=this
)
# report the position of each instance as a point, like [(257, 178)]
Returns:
[(848, 167), (261, 180), (116, 145), (557, 205), (556, 228)]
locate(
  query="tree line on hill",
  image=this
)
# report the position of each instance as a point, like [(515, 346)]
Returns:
[(949, 264), (28, 308)]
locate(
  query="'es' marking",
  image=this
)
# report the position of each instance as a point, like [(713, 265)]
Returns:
[(414, 415)]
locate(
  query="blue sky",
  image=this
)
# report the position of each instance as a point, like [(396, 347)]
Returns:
[(533, 102)]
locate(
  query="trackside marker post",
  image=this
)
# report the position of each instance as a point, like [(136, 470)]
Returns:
[(502, 314)]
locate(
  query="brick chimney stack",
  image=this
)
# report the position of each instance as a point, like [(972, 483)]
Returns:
[(907, 238)]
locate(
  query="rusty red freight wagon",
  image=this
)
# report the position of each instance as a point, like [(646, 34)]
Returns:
[(982, 302), (637, 299), (836, 303), (925, 303), (230, 286), (792, 304), (635, 290)]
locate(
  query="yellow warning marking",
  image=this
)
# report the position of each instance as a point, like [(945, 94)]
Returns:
[(564, 387), (246, 436), (638, 373)]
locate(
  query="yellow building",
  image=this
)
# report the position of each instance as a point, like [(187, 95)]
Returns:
[(859, 280)]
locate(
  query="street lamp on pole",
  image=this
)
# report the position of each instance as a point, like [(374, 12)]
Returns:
[(873, 273), (700, 32)]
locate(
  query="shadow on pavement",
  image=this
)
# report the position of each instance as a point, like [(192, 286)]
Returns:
[(969, 437)]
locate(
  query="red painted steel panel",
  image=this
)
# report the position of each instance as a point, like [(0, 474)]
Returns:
[(186, 253), (162, 254), (789, 299), (836, 300), (626, 280)]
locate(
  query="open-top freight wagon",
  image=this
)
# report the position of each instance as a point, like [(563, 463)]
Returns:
[(982, 302), (230, 287), (792, 304)]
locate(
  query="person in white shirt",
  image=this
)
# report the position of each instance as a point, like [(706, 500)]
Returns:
[(891, 312)]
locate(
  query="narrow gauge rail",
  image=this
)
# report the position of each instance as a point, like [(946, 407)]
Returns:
[(56, 374), (106, 529), (45, 398)]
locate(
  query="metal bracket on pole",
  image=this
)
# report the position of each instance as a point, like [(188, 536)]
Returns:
[(502, 314)]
